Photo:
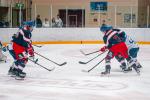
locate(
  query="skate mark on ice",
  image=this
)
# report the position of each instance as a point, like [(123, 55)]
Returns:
[(67, 83)]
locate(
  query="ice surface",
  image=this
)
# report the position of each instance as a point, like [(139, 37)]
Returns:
[(68, 82)]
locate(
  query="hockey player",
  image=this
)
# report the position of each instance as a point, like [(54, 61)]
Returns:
[(2, 56), (116, 47), (21, 46), (133, 49)]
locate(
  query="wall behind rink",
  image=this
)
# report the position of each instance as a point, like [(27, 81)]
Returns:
[(74, 35)]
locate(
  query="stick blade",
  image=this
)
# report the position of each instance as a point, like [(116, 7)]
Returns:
[(51, 69), (83, 70), (63, 64), (80, 62), (82, 52)]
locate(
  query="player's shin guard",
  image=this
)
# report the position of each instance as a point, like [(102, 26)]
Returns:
[(21, 65), (13, 69), (107, 67), (20, 74), (132, 64), (121, 60)]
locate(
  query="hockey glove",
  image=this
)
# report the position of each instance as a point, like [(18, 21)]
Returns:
[(30, 51), (103, 49)]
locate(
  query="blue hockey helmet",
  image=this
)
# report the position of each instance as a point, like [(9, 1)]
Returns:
[(29, 23), (105, 28)]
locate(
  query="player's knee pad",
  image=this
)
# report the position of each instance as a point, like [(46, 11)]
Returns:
[(109, 55)]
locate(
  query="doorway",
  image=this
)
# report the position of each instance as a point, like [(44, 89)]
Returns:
[(72, 20), (73, 17)]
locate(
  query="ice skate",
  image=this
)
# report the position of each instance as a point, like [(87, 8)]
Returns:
[(128, 69), (136, 69), (20, 75), (139, 66), (123, 68), (12, 72), (106, 72)]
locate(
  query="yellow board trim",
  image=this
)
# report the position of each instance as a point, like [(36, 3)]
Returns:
[(69, 42), (77, 42)]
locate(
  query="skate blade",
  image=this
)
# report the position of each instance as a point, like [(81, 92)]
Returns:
[(12, 75), (105, 75), (138, 73), (19, 78), (86, 71)]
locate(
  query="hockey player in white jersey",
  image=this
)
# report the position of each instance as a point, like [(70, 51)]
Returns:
[(133, 50)]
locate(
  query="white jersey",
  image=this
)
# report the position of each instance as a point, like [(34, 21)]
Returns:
[(59, 22), (130, 43)]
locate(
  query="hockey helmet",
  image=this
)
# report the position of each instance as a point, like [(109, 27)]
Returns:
[(105, 28), (29, 23)]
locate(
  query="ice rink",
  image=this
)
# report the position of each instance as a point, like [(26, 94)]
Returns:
[(68, 82)]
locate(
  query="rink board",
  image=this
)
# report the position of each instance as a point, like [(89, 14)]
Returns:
[(74, 35)]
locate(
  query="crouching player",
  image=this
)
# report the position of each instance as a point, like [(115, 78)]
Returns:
[(115, 46), (21, 46), (133, 50)]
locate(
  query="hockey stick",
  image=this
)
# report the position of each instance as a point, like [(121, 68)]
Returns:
[(39, 46), (88, 53), (91, 59), (42, 65), (51, 60), (93, 66)]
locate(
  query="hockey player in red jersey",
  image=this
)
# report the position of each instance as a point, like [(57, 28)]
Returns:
[(116, 47), (21, 45), (133, 50)]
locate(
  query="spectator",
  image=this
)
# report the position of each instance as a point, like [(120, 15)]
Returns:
[(46, 23), (4, 24), (1, 24), (59, 22), (38, 21), (103, 22), (53, 22)]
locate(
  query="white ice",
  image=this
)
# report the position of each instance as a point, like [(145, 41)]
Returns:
[(68, 82)]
